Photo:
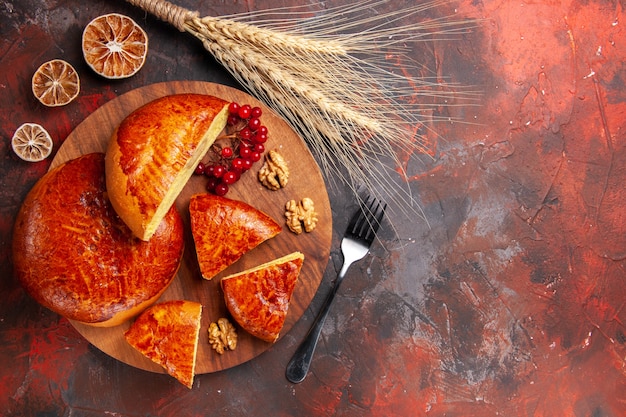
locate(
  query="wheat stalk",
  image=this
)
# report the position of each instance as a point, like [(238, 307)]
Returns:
[(335, 87)]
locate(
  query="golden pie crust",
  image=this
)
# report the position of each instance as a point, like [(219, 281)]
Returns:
[(75, 256), (167, 334), (224, 229), (258, 298)]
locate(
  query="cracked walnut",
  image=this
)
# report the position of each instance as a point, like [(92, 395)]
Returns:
[(222, 336), (301, 216)]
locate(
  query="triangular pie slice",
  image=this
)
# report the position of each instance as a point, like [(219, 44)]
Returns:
[(224, 229), (167, 333), (258, 298)]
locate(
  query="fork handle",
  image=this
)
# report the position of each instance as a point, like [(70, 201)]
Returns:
[(298, 366)]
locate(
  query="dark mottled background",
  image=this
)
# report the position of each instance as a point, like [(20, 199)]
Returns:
[(509, 301)]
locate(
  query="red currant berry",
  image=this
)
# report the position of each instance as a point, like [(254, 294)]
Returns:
[(255, 156), (260, 138), (259, 147), (218, 171), (245, 133), (237, 164), (262, 130), (233, 108), (247, 164), (230, 177), (254, 123), (209, 171), (244, 111), (212, 183), (256, 112), (199, 169), (227, 152), (221, 189), (244, 152)]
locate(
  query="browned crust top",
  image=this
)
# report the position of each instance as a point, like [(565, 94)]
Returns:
[(74, 255)]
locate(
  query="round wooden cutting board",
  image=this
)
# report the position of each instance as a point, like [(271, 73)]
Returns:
[(305, 180)]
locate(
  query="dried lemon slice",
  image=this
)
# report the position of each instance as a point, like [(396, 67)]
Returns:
[(55, 83), (32, 142), (114, 46)]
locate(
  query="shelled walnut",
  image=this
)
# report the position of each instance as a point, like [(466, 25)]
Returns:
[(222, 336), (301, 216), (274, 173)]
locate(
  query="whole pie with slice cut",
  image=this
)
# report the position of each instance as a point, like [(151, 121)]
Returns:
[(167, 333), (74, 255), (258, 298), (224, 229)]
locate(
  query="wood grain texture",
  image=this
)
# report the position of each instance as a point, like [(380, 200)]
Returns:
[(92, 135)]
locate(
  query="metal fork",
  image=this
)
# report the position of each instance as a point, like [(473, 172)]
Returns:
[(355, 245)]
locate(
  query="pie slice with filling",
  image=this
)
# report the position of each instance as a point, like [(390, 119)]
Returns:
[(167, 333), (224, 229), (258, 298)]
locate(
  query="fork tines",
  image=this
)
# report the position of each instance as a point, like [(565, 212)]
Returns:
[(365, 223)]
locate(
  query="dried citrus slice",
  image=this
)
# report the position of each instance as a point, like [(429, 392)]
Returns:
[(114, 46), (55, 83), (32, 142)]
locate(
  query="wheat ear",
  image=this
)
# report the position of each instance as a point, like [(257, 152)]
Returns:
[(333, 86)]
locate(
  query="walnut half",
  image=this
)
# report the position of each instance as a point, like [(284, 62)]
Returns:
[(301, 216), (274, 173), (222, 336)]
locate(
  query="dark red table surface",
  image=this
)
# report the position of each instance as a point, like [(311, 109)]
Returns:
[(510, 302)]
